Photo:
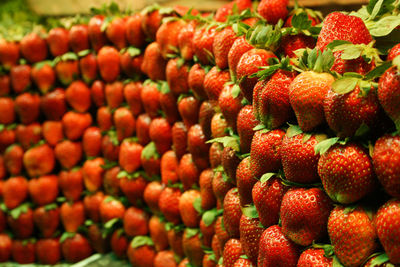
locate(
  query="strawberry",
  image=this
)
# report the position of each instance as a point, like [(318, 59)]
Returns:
[(388, 94), (185, 43), (188, 172), (223, 42), (215, 154), (198, 147), (232, 251), (131, 62), (238, 48), (9, 53), (57, 41), (228, 9), (129, 155), (153, 63), (75, 124), (150, 96), (336, 168), (216, 247), (241, 262), (273, 10), (88, 67), (158, 233), (111, 208), (206, 113), (248, 64), (15, 191), (119, 243), (179, 139), (160, 133), (68, 153), (39, 160), (189, 208), (151, 20), (47, 219), (245, 181), (53, 104), (133, 189), (192, 246), (78, 38), (150, 160), (169, 204), (6, 247), (169, 166), (189, 110), (250, 234), (177, 73), (28, 135), (167, 36), (387, 228), (5, 85), (3, 171), (232, 212), (196, 81), (67, 68), (71, 183), (91, 142), (20, 221), (175, 241), (23, 251), (132, 91), (165, 258), (151, 196), (314, 257), (135, 222), (299, 209), (44, 76), (141, 252), (7, 138), (271, 99), (142, 129), (265, 152), (124, 123), (299, 161), (220, 185), (114, 94), (33, 47), (230, 103), (230, 161), (92, 205), (276, 249), (348, 228), (111, 181), (219, 125), (221, 234), (20, 77), (214, 82), (208, 200), (104, 118), (245, 124), (109, 63), (168, 105), (75, 248), (92, 173), (115, 32), (72, 215), (27, 107), (13, 157), (43, 190), (96, 239), (133, 30), (97, 37), (267, 197), (202, 41), (207, 228)]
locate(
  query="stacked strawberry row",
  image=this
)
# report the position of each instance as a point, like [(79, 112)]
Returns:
[(173, 138)]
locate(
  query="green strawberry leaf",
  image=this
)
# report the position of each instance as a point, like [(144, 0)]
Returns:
[(336, 262), (379, 7), (227, 141), (396, 62), (259, 127), (266, 177), (69, 56), (301, 21), (210, 216), (380, 259), (336, 43), (293, 130), (84, 53), (362, 130), (244, 256), (221, 261), (235, 91), (140, 241), (41, 64), (323, 146), (384, 26), (150, 151), (66, 235), (250, 211), (51, 206), (344, 85), (191, 232), (197, 205), (111, 223), (16, 212), (378, 71), (108, 164), (163, 87)]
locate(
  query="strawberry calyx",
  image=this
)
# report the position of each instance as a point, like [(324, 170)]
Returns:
[(51, 206), (323, 146), (141, 240), (108, 164), (16, 212), (265, 36), (69, 56), (150, 151), (170, 226), (302, 24), (227, 141), (66, 235), (211, 216), (41, 64), (378, 259), (313, 60), (131, 176), (192, 232), (131, 50), (110, 226), (266, 71), (328, 249), (250, 211), (197, 205)]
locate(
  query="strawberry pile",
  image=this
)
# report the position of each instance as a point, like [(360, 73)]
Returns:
[(255, 136)]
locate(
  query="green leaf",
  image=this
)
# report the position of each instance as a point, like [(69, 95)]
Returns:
[(108, 164), (259, 127), (210, 216), (235, 91), (227, 141), (69, 56), (336, 262), (164, 87), (323, 146), (66, 235), (197, 205), (378, 71), (384, 26), (150, 151), (293, 130), (191, 232), (379, 7), (84, 53), (362, 130), (250, 211), (51, 206), (139, 241), (16, 212), (41, 64), (344, 85), (301, 21), (109, 199), (111, 223), (336, 43), (380, 259), (266, 177), (133, 51)]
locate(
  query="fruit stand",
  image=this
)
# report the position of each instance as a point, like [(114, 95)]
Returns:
[(221, 134)]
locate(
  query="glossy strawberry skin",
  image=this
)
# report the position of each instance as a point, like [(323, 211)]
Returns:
[(238, 48), (223, 42), (214, 82), (250, 234), (245, 123), (232, 213), (389, 94), (230, 104), (203, 44), (232, 251), (314, 257), (245, 181), (273, 10)]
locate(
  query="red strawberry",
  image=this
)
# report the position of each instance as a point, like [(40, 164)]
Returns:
[(185, 37), (97, 37), (179, 139), (153, 63), (57, 41), (124, 123), (111, 181), (78, 96), (96, 239), (115, 32), (151, 160), (68, 153), (88, 67), (273, 10), (13, 159), (3, 172), (91, 142), (238, 48), (133, 189), (23, 251), (223, 42), (47, 219), (291, 43), (169, 106), (114, 93), (53, 104), (160, 133), (72, 215), (387, 229), (158, 233), (232, 251), (314, 257), (188, 173), (208, 200), (230, 103), (245, 124), (221, 233), (142, 129), (337, 169), (93, 174), (175, 241), (206, 113), (5, 247), (92, 205), (215, 154), (203, 39), (75, 124), (250, 234), (299, 161), (207, 228), (67, 69), (109, 63), (110, 146), (33, 47), (111, 208), (192, 246), (228, 9), (188, 209), (43, 190), (9, 53), (132, 93), (20, 77), (75, 248), (276, 249), (169, 204), (214, 82), (7, 138), (165, 258), (151, 21), (104, 118), (78, 38), (177, 73), (71, 183), (44, 76), (129, 156), (189, 110), (28, 135), (196, 81), (198, 147), (388, 94), (131, 62), (243, 263), (245, 181), (299, 209), (39, 160), (119, 243), (219, 125), (5, 85), (141, 252), (232, 212), (150, 99), (27, 107), (20, 221), (352, 234), (216, 247), (230, 161), (133, 30), (152, 195), (169, 168), (220, 186), (167, 36), (135, 222), (15, 191)]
